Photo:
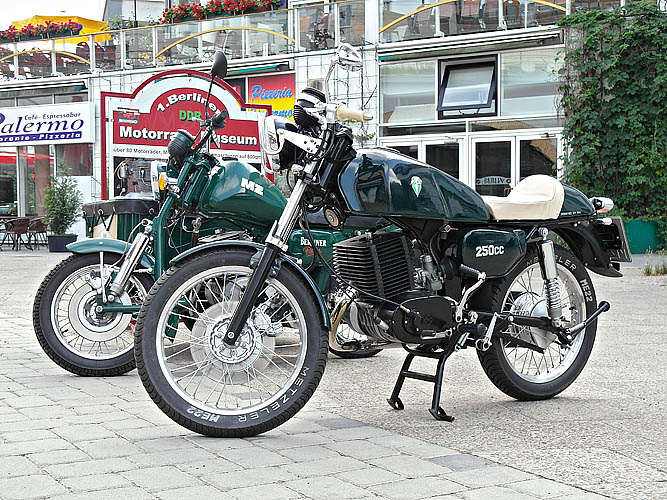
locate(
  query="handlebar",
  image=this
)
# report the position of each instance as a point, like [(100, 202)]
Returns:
[(359, 115)]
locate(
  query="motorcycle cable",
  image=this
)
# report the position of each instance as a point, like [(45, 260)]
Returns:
[(305, 227)]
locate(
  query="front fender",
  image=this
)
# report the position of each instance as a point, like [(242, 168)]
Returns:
[(588, 249), (282, 260), (109, 245)]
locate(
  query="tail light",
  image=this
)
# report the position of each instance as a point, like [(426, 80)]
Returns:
[(602, 205)]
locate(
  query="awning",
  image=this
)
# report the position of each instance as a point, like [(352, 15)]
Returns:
[(89, 26)]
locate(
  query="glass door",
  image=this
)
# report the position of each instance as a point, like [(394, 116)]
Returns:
[(445, 156), (8, 184), (493, 164), (539, 155), (36, 165)]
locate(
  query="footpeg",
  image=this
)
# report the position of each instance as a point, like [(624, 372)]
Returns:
[(571, 333)]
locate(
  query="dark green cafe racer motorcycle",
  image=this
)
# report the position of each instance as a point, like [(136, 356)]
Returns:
[(84, 313), (463, 271)]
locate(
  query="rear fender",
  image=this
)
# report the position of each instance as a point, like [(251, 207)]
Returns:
[(255, 248), (107, 245), (585, 245)]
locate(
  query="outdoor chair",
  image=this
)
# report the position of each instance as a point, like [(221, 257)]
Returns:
[(37, 232), (17, 230)]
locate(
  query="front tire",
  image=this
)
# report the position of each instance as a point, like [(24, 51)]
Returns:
[(216, 390), (68, 329), (522, 373)]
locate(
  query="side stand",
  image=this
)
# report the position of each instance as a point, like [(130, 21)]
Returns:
[(423, 352)]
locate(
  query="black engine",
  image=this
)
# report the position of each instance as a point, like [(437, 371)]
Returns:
[(382, 264)]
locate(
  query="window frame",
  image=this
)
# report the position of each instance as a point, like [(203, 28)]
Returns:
[(469, 63)]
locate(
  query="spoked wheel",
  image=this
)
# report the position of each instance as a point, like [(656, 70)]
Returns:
[(347, 334), (523, 373), (69, 330), (209, 386)]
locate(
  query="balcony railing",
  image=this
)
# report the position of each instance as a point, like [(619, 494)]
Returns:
[(307, 28), (404, 20)]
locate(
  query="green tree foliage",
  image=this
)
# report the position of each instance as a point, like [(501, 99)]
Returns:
[(62, 203), (614, 98)]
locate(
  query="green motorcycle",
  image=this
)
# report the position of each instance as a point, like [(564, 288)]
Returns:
[(85, 310), (464, 271)]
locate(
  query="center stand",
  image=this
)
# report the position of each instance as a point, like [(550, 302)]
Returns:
[(424, 351)]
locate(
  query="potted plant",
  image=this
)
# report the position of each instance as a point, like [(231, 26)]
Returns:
[(62, 204)]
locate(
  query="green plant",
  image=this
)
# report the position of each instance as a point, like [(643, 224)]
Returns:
[(62, 203), (614, 100)]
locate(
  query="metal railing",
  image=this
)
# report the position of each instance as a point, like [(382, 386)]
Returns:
[(307, 28)]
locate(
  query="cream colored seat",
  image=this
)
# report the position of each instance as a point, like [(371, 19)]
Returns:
[(537, 197)]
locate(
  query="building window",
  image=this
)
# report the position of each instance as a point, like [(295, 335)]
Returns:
[(35, 100), (529, 82), (7, 103), (67, 98), (8, 182), (467, 86), (407, 91), (75, 158)]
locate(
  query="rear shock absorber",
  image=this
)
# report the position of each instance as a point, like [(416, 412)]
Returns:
[(550, 277)]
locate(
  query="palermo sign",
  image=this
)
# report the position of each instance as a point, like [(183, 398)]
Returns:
[(48, 124)]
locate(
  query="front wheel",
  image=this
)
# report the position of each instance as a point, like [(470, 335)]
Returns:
[(522, 373), (69, 330), (215, 389)]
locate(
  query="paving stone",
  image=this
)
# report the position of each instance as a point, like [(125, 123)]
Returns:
[(193, 493), (154, 432), (216, 445), (251, 457), (488, 476), (83, 432), (16, 466), (248, 477), (25, 487), (214, 465), (409, 466), (166, 444), (161, 478), (334, 423), (410, 489), (543, 488), (28, 401), (461, 461), (110, 447), (324, 466), (90, 467), (427, 450), (27, 447), (583, 496), (58, 457), (96, 482), (286, 441), (364, 432), (326, 487), (179, 456), (495, 492), (132, 493), (264, 491), (396, 441), (369, 477), (361, 449), (128, 423), (301, 426), (307, 453)]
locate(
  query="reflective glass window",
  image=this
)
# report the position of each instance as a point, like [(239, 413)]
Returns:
[(408, 91), (529, 82)]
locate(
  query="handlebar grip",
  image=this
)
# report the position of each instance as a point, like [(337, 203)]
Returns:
[(345, 113)]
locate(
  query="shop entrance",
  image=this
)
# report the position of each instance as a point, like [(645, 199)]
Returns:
[(491, 163), (442, 154)]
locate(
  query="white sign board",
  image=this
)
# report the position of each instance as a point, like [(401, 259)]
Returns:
[(48, 124)]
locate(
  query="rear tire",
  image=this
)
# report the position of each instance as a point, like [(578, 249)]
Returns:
[(66, 326), (524, 374), (260, 382)]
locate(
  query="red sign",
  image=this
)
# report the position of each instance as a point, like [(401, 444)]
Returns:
[(140, 124)]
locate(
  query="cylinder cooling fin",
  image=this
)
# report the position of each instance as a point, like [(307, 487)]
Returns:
[(380, 263)]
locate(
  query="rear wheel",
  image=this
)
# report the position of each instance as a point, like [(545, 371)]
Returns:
[(215, 389), (67, 327), (523, 373)]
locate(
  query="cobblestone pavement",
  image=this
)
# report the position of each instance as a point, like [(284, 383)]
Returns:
[(63, 436)]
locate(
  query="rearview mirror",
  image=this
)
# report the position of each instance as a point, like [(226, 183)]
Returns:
[(349, 58), (219, 68)]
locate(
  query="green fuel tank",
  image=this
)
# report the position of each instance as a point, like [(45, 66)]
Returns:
[(383, 182), (238, 191)]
